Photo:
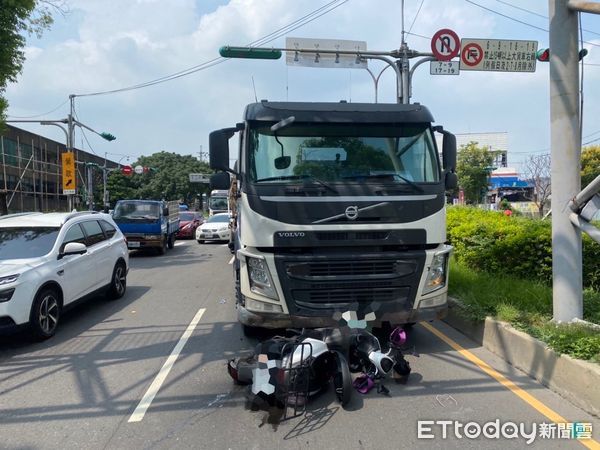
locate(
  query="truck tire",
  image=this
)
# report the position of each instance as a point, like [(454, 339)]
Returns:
[(163, 246), (171, 241)]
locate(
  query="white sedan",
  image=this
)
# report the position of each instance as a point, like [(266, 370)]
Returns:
[(216, 228)]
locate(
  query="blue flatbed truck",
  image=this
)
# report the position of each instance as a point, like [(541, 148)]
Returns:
[(148, 223)]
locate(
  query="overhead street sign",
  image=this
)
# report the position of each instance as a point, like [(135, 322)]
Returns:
[(498, 55), (444, 67), (68, 173), (139, 169), (328, 60), (445, 45), (199, 178)]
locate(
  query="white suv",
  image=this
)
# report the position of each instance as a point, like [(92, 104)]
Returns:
[(47, 261)]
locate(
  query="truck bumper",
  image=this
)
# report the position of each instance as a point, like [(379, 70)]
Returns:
[(279, 320), (137, 244)]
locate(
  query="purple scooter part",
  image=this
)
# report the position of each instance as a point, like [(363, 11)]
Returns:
[(398, 337), (363, 383)]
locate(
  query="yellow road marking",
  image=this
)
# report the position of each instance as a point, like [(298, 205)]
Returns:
[(523, 395)]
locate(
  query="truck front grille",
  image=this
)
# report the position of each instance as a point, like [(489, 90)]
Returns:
[(321, 284)]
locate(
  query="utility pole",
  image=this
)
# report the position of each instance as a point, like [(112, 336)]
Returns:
[(565, 116), (70, 139)]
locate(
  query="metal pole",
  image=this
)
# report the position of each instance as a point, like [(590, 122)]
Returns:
[(71, 137), (90, 176), (567, 281), (104, 199)]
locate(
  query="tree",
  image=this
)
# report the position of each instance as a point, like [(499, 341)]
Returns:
[(473, 167), (590, 164), (19, 17), (168, 178), (537, 172)]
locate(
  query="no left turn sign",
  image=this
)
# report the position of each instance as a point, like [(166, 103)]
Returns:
[(445, 44)]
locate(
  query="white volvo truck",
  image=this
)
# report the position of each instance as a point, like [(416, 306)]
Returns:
[(341, 213)]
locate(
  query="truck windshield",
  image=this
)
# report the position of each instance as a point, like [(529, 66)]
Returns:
[(344, 153), (136, 211), (218, 203)]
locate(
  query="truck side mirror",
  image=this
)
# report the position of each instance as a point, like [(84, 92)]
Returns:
[(449, 151), (218, 144), (220, 180), (451, 181)]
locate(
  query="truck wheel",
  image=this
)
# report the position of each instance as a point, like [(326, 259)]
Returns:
[(171, 241), (45, 314), (163, 246)]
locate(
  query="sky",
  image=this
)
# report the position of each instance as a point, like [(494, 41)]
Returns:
[(103, 45)]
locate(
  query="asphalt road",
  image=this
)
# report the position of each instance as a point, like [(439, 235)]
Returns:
[(83, 388)]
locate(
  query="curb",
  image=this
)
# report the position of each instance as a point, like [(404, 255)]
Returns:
[(576, 380)]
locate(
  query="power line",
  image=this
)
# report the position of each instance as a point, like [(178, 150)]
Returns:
[(304, 20), (518, 20), (416, 15), (538, 15), (84, 135), (39, 115)]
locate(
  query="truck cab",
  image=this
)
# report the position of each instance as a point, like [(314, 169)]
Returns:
[(340, 213)]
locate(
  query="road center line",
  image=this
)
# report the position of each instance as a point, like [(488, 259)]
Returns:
[(146, 401), (508, 384)]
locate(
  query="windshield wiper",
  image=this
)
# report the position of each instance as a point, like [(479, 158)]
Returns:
[(301, 177), (384, 175)]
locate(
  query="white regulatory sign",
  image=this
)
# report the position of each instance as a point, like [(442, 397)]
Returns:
[(497, 55), (444, 67), (199, 178), (314, 58)]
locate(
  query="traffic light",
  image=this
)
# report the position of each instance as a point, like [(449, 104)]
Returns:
[(249, 52), (543, 54), (109, 137)]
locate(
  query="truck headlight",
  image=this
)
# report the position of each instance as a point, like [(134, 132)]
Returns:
[(260, 278), (436, 278), (152, 236)]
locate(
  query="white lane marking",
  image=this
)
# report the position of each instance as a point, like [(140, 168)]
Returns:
[(231, 260), (146, 401), (179, 243), (224, 245)]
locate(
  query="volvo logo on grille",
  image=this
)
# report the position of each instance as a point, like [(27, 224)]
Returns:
[(351, 212), (291, 234)]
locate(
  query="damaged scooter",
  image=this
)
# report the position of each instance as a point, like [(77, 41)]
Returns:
[(285, 372)]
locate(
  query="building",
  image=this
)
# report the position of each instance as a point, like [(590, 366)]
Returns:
[(31, 172), (496, 142)]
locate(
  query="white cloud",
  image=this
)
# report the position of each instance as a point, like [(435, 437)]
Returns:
[(115, 44)]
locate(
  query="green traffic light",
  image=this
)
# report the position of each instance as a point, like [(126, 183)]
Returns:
[(249, 52), (109, 137)]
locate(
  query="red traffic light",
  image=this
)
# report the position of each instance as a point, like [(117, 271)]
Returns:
[(543, 55), (126, 170)]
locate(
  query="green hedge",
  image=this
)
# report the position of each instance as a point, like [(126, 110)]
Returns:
[(518, 246)]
